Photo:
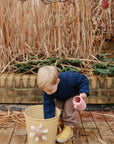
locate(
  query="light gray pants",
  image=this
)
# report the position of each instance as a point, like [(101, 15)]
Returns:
[(68, 113)]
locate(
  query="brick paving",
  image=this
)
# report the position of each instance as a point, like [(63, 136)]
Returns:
[(92, 127)]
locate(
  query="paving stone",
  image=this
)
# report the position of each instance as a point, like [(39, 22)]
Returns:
[(108, 139), (94, 132), (86, 116), (5, 135), (106, 131), (18, 139), (8, 125), (101, 124), (79, 124), (89, 125), (109, 116), (78, 130), (102, 141), (19, 131), (92, 136), (80, 140), (111, 124), (78, 118), (68, 142), (93, 140), (98, 116)]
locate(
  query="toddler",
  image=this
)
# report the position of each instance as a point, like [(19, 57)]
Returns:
[(59, 90)]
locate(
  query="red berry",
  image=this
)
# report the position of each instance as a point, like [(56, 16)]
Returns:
[(105, 4)]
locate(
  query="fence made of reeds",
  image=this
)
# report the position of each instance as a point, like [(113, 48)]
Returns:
[(64, 28)]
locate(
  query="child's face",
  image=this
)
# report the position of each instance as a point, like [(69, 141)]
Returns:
[(50, 89)]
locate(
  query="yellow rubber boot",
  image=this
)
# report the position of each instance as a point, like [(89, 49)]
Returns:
[(65, 135)]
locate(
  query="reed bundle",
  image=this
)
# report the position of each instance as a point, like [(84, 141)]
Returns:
[(64, 28)]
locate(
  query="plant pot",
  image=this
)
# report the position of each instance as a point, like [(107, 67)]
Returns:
[(40, 130)]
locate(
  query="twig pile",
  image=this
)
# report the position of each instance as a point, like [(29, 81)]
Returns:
[(7, 117)]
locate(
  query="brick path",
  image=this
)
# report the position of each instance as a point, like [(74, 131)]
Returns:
[(92, 128)]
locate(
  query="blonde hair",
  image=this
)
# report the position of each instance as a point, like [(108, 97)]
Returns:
[(46, 75)]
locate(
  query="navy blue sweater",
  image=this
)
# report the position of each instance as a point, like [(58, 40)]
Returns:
[(71, 84)]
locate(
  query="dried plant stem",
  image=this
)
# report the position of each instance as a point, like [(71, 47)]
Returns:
[(60, 28)]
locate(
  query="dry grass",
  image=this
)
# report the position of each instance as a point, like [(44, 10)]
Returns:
[(65, 29), (8, 117)]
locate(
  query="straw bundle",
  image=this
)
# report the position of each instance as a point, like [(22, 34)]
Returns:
[(63, 28), (8, 117)]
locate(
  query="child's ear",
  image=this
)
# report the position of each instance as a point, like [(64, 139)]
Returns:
[(58, 80)]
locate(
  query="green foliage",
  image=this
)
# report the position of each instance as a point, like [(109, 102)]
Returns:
[(104, 72), (104, 68), (30, 62), (70, 69), (22, 67), (103, 57), (68, 61)]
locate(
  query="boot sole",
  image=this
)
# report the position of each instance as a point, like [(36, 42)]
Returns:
[(62, 141)]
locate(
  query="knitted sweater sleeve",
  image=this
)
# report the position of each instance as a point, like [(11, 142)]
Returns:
[(48, 106), (84, 85)]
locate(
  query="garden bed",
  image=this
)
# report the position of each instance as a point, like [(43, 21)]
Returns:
[(100, 65)]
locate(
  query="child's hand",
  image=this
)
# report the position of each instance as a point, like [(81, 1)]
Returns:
[(83, 95)]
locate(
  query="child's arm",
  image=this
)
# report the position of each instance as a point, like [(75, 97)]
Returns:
[(48, 106), (84, 87)]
